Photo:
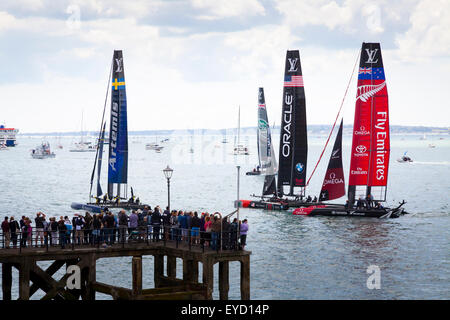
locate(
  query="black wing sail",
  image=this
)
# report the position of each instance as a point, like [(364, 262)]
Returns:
[(333, 186), (293, 136)]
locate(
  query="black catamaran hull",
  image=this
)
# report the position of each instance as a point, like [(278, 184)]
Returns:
[(98, 208), (276, 204)]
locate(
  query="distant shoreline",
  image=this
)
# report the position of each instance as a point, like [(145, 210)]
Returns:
[(313, 129)]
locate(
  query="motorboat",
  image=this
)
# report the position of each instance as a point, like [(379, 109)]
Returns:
[(42, 151)]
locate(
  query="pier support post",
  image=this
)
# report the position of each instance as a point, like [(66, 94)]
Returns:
[(158, 269), (208, 276), (194, 271), (224, 284), (245, 278), (190, 270), (171, 267), (6, 281), (24, 279), (137, 275), (89, 275)]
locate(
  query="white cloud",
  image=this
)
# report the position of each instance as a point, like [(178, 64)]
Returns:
[(199, 79), (7, 21), (316, 12), (220, 9), (428, 35)]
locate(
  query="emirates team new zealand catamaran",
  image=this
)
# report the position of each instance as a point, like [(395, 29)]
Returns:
[(369, 154), (118, 149)]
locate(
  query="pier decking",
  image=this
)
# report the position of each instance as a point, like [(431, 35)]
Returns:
[(85, 256)]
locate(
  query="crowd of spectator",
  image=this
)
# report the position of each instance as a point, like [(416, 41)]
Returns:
[(107, 228)]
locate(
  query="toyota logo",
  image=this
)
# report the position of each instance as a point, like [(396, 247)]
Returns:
[(361, 149)]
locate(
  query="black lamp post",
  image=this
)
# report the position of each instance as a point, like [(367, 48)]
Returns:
[(168, 174)]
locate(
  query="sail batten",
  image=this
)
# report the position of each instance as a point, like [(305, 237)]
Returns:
[(293, 136)]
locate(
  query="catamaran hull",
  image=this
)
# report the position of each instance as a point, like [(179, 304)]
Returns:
[(272, 205), (317, 209), (340, 210), (97, 208)]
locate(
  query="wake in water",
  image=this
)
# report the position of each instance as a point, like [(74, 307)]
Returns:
[(442, 163)]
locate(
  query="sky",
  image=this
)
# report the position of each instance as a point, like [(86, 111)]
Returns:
[(191, 64)]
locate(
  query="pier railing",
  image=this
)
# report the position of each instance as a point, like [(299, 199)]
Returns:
[(121, 236)]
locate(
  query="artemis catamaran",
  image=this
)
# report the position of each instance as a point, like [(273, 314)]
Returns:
[(118, 149)]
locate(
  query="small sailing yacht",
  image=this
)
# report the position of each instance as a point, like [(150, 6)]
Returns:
[(83, 146), (240, 149)]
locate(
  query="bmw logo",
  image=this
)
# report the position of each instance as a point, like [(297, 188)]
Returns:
[(299, 167)]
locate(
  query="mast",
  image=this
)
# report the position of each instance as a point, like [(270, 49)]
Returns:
[(100, 159), (118, 133), (370, 146), (239, 125), (333, 186), (81, 127), (101, 132), (293, 136)]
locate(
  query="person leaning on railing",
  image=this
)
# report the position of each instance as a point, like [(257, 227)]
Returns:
[(6, 233), (62, 229), (14, 229), (215, 231)]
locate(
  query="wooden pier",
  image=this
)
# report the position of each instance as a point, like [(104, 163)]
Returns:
[(165, 254)]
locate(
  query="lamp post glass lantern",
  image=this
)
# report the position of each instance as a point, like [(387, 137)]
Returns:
[(168, 174)]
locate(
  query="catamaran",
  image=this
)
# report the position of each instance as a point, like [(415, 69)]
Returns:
[(369, 162), (117, 188), (266, 156), (369, 154), (289, 189)]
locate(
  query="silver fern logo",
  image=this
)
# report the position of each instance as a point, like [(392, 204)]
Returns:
[(368, 90)]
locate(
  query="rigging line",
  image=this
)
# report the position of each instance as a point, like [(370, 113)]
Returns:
[(337, 117), (101, 128)]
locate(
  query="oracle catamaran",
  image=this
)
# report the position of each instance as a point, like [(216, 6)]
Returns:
[(118, 149), (289, 188)]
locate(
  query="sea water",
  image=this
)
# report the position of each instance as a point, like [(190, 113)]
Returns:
[(293, 257)]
